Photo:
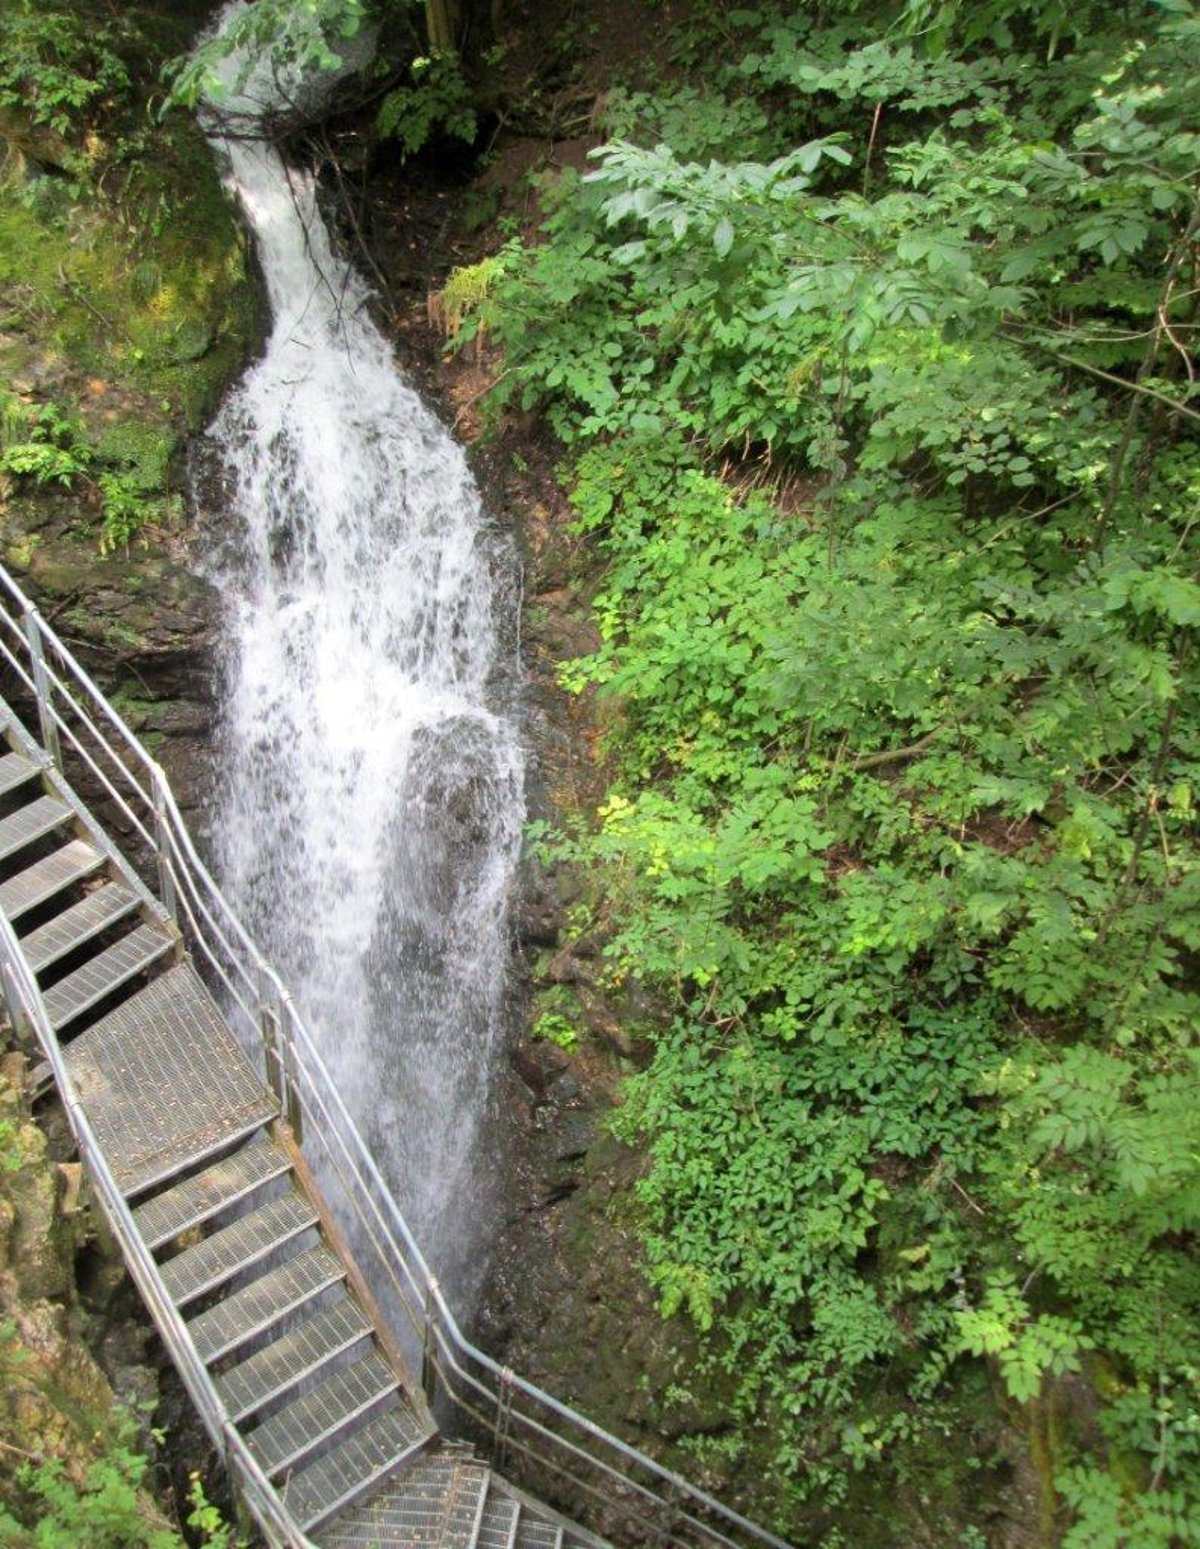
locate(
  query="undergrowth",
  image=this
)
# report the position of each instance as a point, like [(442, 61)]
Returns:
[(873, 346)]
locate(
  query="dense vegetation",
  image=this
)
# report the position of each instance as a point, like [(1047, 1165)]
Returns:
[(871, 338), (122, 279)]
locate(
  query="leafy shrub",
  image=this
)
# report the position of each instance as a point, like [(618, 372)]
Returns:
[(56, 67), (903, 826)]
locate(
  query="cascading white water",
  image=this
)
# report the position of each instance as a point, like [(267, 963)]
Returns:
[(372, 781)]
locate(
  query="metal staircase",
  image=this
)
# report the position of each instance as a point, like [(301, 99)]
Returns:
[(234, 1179)]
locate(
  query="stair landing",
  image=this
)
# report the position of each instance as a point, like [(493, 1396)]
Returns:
[(164, 1082)]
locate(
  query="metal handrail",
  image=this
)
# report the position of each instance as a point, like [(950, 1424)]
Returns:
[(521, 1417), (27, 1014)]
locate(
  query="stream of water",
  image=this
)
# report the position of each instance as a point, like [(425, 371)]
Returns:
[(371, 799)]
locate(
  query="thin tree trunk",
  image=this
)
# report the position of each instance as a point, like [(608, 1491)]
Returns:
[(441, 20)]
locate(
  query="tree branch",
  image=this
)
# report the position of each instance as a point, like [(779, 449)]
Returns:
[(896, 755)]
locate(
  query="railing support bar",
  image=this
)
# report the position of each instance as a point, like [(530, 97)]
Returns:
[(429, 1375), (41, 683), (503, 1417), (270, 1023), (162, 850)]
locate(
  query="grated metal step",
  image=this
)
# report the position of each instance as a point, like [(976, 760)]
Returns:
[(464, 1508), (165, 1083), (534, 1532), (410, 1509), (88, 984), (355, 1466), (236, 1247), (270, 1372), (198, 1199), (54, 872), (41, 817), (295, 1433), (15, 769), (498, 1524), (259, 1307), (77, 925)]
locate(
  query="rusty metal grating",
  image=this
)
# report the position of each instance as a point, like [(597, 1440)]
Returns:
[(410, 1509), (536, 1532), (15, 769), (270, 1299), (498, 1525), (344, 1475), (35, 821), (237, 1247), (333, 1406)]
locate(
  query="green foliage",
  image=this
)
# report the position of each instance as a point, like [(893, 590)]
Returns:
[(93, 1495), (206, 1519), (58, 69), (906, 726), (555, 1028), (12, 1155), (464, 302), (105, 1510), (127, 470), (45, 446), (434, 100)]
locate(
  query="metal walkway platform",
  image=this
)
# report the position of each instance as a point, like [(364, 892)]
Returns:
[(205, 1116)]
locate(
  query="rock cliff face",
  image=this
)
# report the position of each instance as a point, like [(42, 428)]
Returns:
[(129, 303), (143, 627), (75, 1366)]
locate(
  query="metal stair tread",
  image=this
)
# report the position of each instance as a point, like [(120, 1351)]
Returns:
[(76, 925), (33, 821), (199, 1198), (534, 1532), (164, 1082), (465, 1508), (498, 1524), (71, 863), (350, 1393), (409, 1509), (236, 1247), (257, 1307), (108, 970), (270, 1372), (15, 769), (341, 1477)]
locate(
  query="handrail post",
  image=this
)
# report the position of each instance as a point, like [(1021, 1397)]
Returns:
[(270, 1025), (428, 1341), (162, 848), (14, 1005), (41, 682), (289, 1070), (503, 1420)]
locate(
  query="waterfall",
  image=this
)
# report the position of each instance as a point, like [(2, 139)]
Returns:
[(371, 802)]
